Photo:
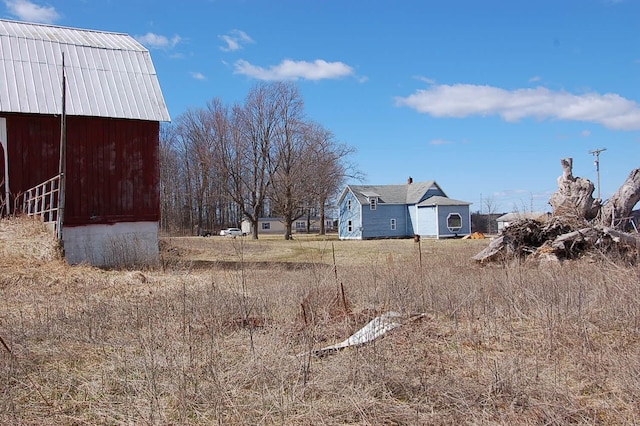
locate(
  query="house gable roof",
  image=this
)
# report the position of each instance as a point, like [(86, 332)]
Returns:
[(438, 200), (409, 193), (108, 74)]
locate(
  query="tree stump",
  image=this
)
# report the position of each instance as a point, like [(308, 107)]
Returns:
[(572, 231), (621, 204), (574, 197)]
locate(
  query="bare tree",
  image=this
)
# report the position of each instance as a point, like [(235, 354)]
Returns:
[(171, 198), (310, 165), (194, 129), (256, 125), (327, 167), (290, 175), (228, 210), (222, 165), (490, 205)]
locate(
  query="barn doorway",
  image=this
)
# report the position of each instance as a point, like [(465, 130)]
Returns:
[(5, 204)]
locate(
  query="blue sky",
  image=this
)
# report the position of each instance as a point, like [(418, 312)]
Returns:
[(485, 97)]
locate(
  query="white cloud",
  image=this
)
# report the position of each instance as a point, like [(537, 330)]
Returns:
[(463, 100), (32, 12), (294, 70), (535, 79), (440, 142), (198, 76), (513, 193), (585, 133), (156, 41), (234, 40), (425, 79)]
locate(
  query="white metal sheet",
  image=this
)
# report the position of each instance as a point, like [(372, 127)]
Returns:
[(108, 74)]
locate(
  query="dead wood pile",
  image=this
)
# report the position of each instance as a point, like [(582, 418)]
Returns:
[(580, 225), (560, 239)]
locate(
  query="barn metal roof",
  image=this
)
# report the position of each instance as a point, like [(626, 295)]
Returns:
[(108, 74)]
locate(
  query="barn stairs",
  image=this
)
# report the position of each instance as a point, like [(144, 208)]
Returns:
[(41, 201)]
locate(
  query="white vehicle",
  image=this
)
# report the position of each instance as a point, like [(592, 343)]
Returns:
[(232, 232)]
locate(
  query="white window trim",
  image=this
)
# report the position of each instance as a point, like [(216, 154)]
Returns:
[(393, 224), (454, 228)]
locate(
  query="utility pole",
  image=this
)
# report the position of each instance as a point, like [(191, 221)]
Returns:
[(596, 153), (62, 165), (531, 202)]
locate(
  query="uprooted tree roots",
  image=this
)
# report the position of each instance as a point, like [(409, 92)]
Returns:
[(560, 238), (577, 226)]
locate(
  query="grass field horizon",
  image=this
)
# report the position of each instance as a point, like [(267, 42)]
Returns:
[(222, 333)]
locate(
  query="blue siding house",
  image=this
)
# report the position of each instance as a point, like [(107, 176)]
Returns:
[(399, 211)]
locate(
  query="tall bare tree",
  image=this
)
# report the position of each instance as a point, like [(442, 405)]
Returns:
[(256, 125), (327, 168), (195, 131), (171, 176), (228, 209), (221, 165), (289, 177)]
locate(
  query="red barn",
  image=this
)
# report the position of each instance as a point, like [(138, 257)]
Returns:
[(113, 107)]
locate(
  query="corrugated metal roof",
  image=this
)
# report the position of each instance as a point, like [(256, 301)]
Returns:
[(108, 74)]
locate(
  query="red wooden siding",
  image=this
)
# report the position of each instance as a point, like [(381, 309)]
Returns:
[(112, 165), (33, 150)]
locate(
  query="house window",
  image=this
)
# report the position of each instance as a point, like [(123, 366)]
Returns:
[(301, 225), (373, 203), (393, 224), (349, 226), (454, 222), (266, 225), (349, 205)]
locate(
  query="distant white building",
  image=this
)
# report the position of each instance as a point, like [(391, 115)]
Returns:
[(506, 219), (275, 225)]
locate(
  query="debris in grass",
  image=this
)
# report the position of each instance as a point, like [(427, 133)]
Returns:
[(474, 236), (374, 329)]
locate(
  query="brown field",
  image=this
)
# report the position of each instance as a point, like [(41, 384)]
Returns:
[(221, 334)]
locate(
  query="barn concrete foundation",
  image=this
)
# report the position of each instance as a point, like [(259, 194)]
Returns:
[(113, 245)]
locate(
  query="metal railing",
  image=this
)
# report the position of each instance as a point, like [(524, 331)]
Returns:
[(42, 200)]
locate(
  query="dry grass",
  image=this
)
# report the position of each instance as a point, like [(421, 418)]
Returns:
[(214, 337)]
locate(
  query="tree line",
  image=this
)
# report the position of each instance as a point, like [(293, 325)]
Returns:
[(262, 158)]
